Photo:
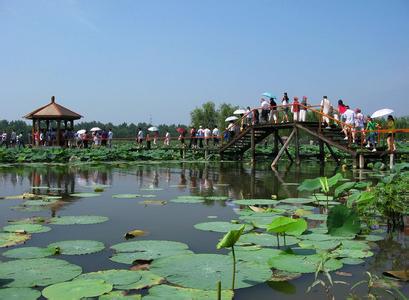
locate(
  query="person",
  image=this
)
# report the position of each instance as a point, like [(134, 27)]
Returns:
[(200, 136), (140, 136), (4, 139), (273, 111), (182, 135), (285, 108), (390, 139), (148, 141), (371, 126), (249, 116), (20, 140), (303, 109), (349, 116), (296, 109), (37, 138), (155, 137), (215, 134), (166, 141), (192, 141), (110, 137), (104, 137), (13, 139), (231, 129), (256, 116), (325, 108), (265, 110), (359, 124), (207, 135)]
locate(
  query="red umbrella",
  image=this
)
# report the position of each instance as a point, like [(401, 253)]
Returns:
[(180, 130)]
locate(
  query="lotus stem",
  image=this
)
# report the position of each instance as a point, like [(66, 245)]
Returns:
[(285, 243), (234, 268), (278, 240), (219, 290)]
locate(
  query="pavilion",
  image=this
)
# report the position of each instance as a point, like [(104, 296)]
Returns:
[(53, 112)]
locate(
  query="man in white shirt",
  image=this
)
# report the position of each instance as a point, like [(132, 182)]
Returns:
[(349, 116), (216, 134), (207, 135), (325, 108), (110, 137), (140, 136), (265, 110)]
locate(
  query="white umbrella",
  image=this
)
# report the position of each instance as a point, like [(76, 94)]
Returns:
[(239, 111), (153, 128), (81, 131), (95, 129), (382, 112), (232, 118)]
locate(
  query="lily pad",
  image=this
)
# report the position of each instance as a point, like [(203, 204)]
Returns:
[(40, 202), (302, 263), (187, 201), (202, 271), (119, 295), (373, 238), (317, 217), (8, 239), (260, 256), (343, 221), (255, 202), (85, 195), (78, 220), (126, 196), (296, 200), (279, 275), (221, 226), (19, 294), (114, 277), (352, 261), (77, 289), (78, 247), (26, 228), (31, 220), (191, 197), (217, 198), (148, 279), (172, 292), (153, 202), (30, 252), (38, 272), (267, 240), (320, 245)]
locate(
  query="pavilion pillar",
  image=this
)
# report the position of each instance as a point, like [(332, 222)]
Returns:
[(33, 130), (72, 125), (58, 132)]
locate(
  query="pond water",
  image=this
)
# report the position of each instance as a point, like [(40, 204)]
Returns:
[(175, 221)]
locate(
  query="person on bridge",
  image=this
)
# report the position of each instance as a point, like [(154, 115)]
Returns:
[(359, 124), (349, 128), (285, 108), (265, 110), (207, 135), (273, 111), (390, 125), (303, 109), (371, 126), (249, 116), (215, 134), (166, 141), (200, 136), (296, 109), (192, 141), (325, 108)]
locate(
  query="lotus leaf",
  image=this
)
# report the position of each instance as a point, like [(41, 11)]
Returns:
[(19, 294), (319, 237), (260, 255), (329, 203), (78, 247), (221, 226), (37, 272), (217, 198), (77, 289), (355, 245), (191, 197), (114, 277), (32, 220), (255, 202), (302, 263), (148, 279), (267, 240), (40, 202), (230, 238), (287, 207), (118, 295), (343, 187), (343, 221), (279, 275), (126, 196), (30, 252), (152, 189), (321, 198), (352, 261), (296, 201), (8, 239), (186, 200), (172, 292), (309, 185), (153, 202), (317, 217), (302, 212), (320, 229), (148, 196), (85, 195), (320, 245), (373, 238), (350, 253), (287, 225), (30, 208), (204, 270), (78, 220), (26, 228), (23, 196)]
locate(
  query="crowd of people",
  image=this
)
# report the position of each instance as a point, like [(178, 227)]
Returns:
[(12, 140)]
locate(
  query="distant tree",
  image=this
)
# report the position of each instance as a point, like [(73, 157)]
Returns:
[(225, 110), (208, 116)]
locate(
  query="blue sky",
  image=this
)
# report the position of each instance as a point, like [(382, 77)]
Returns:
[(129, 61)]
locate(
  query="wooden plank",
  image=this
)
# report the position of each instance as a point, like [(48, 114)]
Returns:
[(334, 156), (283, 148), (286, 150)]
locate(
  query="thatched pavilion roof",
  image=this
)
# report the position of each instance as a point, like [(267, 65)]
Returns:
[(53, 111)]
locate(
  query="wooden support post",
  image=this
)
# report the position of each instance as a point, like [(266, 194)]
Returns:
[(322, 153), (334, 156), (297, 147), (253, 147), (32, 132), (361, 161), (58, 133), (283, 148), (275, 149), (354, 162)]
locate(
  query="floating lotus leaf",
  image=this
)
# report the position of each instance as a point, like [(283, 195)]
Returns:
[(152, 189), (191, 197), (355, 245), (260, 256), (78, 220), (39, 202), (283, 287), (30, 252), (302, 212), (37, 272), (78, 247), (319, 237), (118, 295), (217, 198), (85, 195), (352, 261), (279, 275), (114, 277), (148, 196), (32, 220), (319, 245), (77, 289), (302, 263), (373, 238), (29, 208), (148, 279), (329, 203), (317, 217), (287, 207), (267, 240), (255, 202), (183, 200), (322, 198), (204, 270), (23, 196), (19, 294), (172, 292), (343, 221), (153, 202), (26, 228), (353, 253), (310, 185), (296, 200), (320, 229), (8, 239), (221, 226), (259, 222), (126, 196)]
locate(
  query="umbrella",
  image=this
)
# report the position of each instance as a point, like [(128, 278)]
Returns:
[(95, 129), (269, 95), (180, 130), (381, 113), (153, 128), (81, 131), (239, 111), (232, 118)]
